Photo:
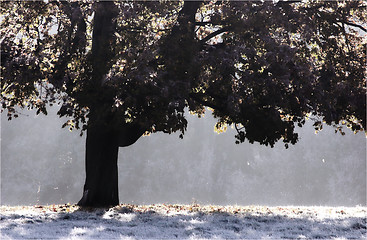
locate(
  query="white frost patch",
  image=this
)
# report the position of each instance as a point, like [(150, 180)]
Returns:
[(195, 221), (182, 222), (78, 231)]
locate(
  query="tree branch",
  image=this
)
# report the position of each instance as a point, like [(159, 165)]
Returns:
[(197, 98), (214, 34), (209, 23), (189, 9), (204, 23), (128, 134), (237, 128), (354, 25)]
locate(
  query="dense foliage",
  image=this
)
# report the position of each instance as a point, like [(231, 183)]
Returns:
[(262, 67)]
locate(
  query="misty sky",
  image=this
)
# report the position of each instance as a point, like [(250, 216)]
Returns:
[(44, 164)]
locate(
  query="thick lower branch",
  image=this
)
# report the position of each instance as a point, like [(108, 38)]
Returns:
[(129, 134), (197, 98)]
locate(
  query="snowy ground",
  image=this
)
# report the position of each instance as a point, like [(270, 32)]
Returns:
[(182, 222)]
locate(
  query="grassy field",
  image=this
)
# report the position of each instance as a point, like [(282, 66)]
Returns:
[(163, 221)]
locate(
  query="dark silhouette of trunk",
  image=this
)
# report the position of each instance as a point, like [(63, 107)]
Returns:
[(102, 145), (101, 184), (106, 132)]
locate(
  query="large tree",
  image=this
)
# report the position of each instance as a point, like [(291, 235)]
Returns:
[(122, 69)]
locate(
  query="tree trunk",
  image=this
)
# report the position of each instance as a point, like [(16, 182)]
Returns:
[(102, 145), (105, 133), (101, 184)]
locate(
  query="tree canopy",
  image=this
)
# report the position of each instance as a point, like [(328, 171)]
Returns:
[(263, 67)]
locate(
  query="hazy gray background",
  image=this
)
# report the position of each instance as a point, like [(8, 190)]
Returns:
[(44, 164)]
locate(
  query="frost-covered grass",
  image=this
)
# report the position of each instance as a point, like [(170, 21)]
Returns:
[(182, 222)]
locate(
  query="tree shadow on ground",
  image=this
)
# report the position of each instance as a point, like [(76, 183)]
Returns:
[(127, 223)]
